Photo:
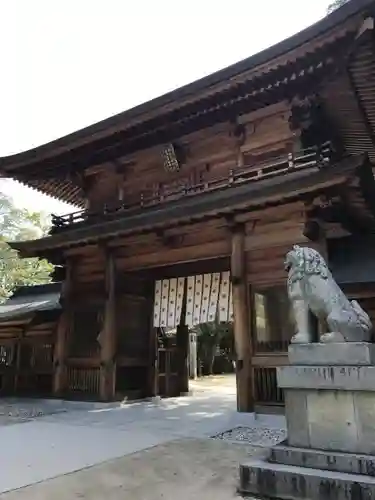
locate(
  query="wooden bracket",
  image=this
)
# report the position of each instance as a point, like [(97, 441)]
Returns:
[(119, 166), (239, 132), (233, 225), (313, 230), (103, 246), (80, 180), (169, 240), (236, 280)]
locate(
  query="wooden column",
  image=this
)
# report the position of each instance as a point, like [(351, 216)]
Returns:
[(315, 233), (62, 335), (153, 378), (242, 327), (18, 365), (182, 341), (193, 358), (108, 335)]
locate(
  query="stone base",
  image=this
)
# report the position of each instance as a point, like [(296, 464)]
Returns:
[(335, 354), (329, 407), (290, 482), (330, 412)]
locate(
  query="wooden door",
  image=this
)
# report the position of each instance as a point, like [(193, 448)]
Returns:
[(272, 329), (83, 362), (167, 372), (133, 346), (8, 359), (34, 366)]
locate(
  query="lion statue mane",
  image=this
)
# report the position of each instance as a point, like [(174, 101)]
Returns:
[(312, 289)]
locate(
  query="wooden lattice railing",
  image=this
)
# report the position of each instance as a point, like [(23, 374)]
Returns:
[(265, 387), (307, 158), (83, 380)]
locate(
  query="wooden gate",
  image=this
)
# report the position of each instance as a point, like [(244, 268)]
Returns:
[(83, 382), (167, 371), (8, 355), (272, 327), (34, 367)]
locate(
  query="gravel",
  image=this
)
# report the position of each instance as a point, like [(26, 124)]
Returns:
[(255, 436)]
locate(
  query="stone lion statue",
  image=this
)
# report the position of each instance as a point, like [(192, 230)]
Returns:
[(312, 289)]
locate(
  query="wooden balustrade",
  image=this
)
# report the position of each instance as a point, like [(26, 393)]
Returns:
[(307, 158), (83, 380), (266, 391)]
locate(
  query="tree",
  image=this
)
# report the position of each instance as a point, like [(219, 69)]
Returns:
[(212, 338), (16, 225), (335, 5)]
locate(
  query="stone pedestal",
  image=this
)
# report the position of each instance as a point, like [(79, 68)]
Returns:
[(330, 413)]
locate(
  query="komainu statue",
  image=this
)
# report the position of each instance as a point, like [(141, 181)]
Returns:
[(312, 289)]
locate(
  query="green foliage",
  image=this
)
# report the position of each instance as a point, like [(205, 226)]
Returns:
[(213, 339), (17, 225), (335, 5)]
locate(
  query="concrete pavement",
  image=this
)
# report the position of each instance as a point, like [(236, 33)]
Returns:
[(186, 469), (61, 443)]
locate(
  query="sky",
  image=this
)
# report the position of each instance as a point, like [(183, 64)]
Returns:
[(66, 64)]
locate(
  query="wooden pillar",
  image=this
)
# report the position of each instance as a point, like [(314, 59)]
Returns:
[(182, 340), (62, 335), (18, 364), (108, 335), (153, 363), (315, 233), (242, 328), (193, 358), (153, 378)]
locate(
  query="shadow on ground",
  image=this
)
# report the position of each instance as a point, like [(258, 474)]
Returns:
[(185, 470)]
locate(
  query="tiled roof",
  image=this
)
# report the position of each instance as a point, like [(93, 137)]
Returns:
[(31, 299)]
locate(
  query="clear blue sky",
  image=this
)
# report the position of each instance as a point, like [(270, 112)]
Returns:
[(66, 64)]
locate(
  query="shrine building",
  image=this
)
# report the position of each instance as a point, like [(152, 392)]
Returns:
[(186, 207)]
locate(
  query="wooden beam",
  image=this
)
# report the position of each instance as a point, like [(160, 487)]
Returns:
[(242, 337), (210, 250), (108, 335), (64, 326)]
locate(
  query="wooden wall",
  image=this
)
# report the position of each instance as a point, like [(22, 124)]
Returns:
[(207, 155), (270, 233), (87, 305), (197, 241), (26, 357)]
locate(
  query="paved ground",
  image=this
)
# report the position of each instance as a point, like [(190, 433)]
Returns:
[(218, 384), (184, 470), (162, 447)]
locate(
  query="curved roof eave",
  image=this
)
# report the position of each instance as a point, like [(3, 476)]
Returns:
[(340, 15)]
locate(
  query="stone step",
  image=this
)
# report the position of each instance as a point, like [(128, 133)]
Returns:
[(289, 482), (328, 460)]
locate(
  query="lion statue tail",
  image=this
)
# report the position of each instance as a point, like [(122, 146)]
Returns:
[(363, 317)]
